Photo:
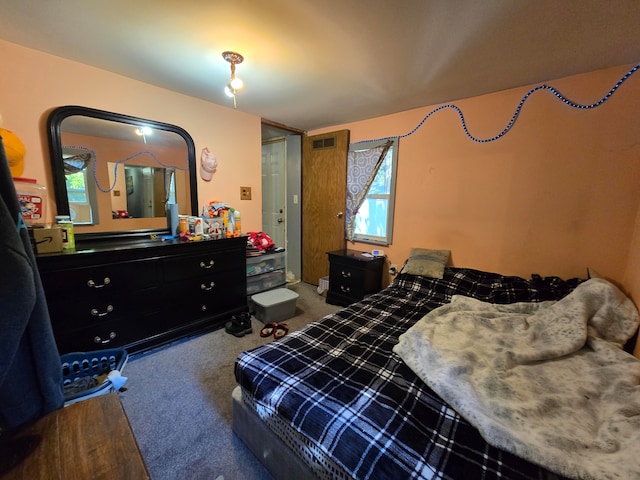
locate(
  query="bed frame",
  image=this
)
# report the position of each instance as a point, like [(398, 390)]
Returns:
[(273, 453)]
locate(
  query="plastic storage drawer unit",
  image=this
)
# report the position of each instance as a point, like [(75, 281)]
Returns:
[(266, 263), (275, 305), (266, 281)]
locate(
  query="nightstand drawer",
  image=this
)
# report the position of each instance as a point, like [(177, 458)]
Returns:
[(352, 276), (347, 280)]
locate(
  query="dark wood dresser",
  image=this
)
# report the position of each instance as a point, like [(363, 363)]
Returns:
[(352, 276), (143, 294)]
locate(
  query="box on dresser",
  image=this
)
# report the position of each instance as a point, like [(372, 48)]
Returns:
[(142, 294)]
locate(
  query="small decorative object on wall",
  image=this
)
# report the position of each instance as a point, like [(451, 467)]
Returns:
[(208, 164), (514, 117)]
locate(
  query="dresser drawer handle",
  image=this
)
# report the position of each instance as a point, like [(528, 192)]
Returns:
[(345, 289), (96, 313), (97, 339), (105, 282), (345, 274), (207, 265), (206, 287)]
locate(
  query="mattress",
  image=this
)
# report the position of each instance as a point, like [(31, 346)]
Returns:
[(348, 407)]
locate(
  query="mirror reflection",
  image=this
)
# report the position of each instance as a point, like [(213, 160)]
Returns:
[(118, 173)]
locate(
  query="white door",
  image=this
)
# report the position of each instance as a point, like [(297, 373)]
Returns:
[(147, 189), (274, 193)]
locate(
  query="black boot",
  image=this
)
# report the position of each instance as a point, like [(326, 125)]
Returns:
[(239, 325)]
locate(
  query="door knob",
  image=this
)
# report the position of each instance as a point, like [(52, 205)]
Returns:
[(339, 215)]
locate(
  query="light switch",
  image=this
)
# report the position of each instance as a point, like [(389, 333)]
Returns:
[(295, 199), (245, 193)]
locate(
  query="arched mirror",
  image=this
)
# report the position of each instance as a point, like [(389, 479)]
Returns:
[(114, 174)]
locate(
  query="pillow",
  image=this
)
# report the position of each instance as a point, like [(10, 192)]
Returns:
[(591, 273), (427, 262)]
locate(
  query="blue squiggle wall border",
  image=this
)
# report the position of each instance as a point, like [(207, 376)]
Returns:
[(115, 167), (506, 129)]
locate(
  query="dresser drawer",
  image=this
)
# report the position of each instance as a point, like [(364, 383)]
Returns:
[(205, 295), (95, 280), (109, 334), (200, 265), (102, 307)]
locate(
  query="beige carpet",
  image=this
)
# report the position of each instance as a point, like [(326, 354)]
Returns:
[(178, 400)]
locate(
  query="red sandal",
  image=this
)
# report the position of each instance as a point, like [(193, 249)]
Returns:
[(280, 331), (268, 330)]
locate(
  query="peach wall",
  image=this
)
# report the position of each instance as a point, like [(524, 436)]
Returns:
[(632, 277), (557, 194), (34, 83)]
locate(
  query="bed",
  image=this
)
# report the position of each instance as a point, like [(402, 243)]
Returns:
[(334, 400)]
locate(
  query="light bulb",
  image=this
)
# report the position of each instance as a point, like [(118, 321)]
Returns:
[(142, 131), (229, 91), (236, 83)]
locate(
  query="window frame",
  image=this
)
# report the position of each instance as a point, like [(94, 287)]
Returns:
[(393, 151), (89, 192)]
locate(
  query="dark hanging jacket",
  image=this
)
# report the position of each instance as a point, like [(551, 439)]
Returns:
[(30, 368)]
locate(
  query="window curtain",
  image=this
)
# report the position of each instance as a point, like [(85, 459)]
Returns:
[(77, 163), (362, 168)]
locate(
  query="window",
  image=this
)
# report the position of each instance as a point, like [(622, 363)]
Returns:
[(78, 194), (81, 192), (370, 199), (77, 187)]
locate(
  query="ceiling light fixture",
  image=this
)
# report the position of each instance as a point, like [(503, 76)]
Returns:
[(235, 83), (143, 132)]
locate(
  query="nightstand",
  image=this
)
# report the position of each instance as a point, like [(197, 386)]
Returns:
[(352, 276)]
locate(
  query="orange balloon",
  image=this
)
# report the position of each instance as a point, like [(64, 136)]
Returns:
[(15, 150)]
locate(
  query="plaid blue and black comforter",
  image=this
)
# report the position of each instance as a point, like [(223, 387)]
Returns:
[(338, 384)]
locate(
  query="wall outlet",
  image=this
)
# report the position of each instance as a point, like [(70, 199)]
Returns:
[(245, 193)]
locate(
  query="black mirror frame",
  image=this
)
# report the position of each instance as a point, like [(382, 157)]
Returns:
[(59, 185)]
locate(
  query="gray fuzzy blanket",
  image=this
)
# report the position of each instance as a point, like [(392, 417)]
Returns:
[(547, 381)]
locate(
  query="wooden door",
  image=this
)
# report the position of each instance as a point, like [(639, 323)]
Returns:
[(159, 195), (324, 197)]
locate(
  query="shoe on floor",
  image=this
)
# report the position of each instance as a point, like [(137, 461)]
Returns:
[(239, 325)]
